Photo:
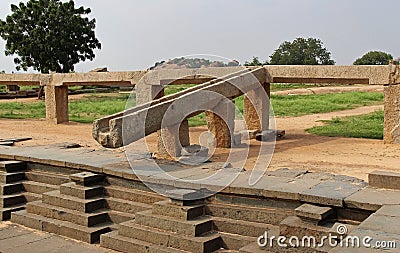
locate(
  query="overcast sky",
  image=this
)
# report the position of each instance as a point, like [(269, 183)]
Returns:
[(135, 34)]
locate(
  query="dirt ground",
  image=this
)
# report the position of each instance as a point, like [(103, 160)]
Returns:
[(353, 157)]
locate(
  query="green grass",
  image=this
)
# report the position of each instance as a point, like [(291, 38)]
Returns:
[(289, 86), (363, 126), (298, 105), (95, 106), (92, 107)]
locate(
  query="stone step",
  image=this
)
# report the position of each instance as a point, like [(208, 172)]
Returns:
[(37, 187), (245, 228), (235, 242), (126, 205), (271, 216), (47, 178), (5, 213), (294, 226), (119, 217), (132, 194), (254, 248), (63, 214), (313, 214), (12, 166), (10, 178), (12, 200), (31, 197), (117, 242), (205, 243), (7, 189), (167, 208), (87, 178), (80, 191), (384, 179), (195, 227), (67, 229), (54, 198)]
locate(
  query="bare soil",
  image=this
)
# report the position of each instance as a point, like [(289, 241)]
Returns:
[(353, 157)]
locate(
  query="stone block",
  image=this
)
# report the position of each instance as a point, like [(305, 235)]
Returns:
[(12, 200), (114, 241), (126, 206), (256, 108), (195, 227), (392, 112), (384, 179), (12, 166), (57, 104), (372, 199), (313, 213), (330, 192), (221, 123), (47, 178), (89, 205), (37, 187), (167, 208), (9, 178), (80, 191), (86, 178), (63, 214), (6, 189), (245, 228), (133, 195)]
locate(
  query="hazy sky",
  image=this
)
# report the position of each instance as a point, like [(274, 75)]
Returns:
[(135, 34)]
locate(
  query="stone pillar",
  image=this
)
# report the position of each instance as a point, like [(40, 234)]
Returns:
[(222, 123), (12, 88), (56, 104), (170, 142), (392, 114), (253, 120)]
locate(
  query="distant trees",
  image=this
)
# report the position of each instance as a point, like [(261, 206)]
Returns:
[(255, 62), (302, 52), (374, 58), (49, 35)]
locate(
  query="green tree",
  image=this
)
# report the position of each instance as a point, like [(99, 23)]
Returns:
[(255, 62), (302, 52), (49, 35), (374, 58)]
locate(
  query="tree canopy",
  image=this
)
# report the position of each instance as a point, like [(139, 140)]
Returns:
[(374, 58), (302, 52), (49, 35), (255, 62)]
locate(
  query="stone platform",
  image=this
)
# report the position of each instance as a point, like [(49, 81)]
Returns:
[(94, 196)]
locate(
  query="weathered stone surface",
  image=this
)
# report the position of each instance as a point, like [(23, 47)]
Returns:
[(372, 199), (221, 123), (330, 192), (256, 108), (167, 208), (126, 206), (384, 179), (313, 213), (387, 224), (195, 227), (86, 178), (47, 178), (57, 104), (80, 191), (392, 112), (56, 199)]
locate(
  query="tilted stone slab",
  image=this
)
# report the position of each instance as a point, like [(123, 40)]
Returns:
[(146, 119)]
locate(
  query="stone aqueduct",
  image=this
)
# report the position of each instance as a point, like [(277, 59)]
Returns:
[(149, 86)]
